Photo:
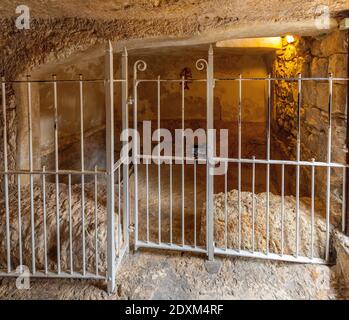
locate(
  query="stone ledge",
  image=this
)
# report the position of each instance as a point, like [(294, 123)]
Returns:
[(341, 246)]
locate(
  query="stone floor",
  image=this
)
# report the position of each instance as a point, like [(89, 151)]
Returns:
[(155, 275)]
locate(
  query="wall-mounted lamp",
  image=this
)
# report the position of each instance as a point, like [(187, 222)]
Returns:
[(290, 39)]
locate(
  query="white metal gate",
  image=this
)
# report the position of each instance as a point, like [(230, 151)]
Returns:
[(66, 241), (211, 245), (179, 241)]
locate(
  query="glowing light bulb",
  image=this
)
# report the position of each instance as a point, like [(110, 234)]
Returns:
[(290, 39)]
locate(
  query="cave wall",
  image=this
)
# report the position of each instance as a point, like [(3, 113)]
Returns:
[(68, 102), (313, 58)]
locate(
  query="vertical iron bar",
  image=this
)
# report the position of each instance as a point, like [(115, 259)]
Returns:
[(210, 155), (56, 170), (328, 179), (312, 207), (282, 208), (109, 98), (31, 176), (159, 167), (96, 217), (347, 146), (183, 141), (19, 222), (171, 240), (226, 205), (253, 201), (239, 157), (119, 213), (195, 209), (82, 160), (147, 194), (45, 215), (70, 225), (299, 102), (135, 156), (125, 165), (344, 198), (268, 164), (7, 208)]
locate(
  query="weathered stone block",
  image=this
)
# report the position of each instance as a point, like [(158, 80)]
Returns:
[(328, 55), (336, 42), (341, 245), (339, 98), (317, 94), (315, 48), (321, 95), (308, 90), (339, 156), (319, 67), (306, 67), (313, 118), (338, 65)]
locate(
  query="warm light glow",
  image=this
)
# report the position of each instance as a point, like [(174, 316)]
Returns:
[(267, 43), (290, 39)]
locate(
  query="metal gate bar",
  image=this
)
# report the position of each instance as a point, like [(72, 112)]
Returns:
[(121, 239), (147, 243), (213, 160), (298, 164)]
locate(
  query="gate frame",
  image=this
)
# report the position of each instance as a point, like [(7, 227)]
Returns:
[(212, 160), (113, 261), (345, 226), (210, 155), (113, 258), (141, 65), (109, 100)]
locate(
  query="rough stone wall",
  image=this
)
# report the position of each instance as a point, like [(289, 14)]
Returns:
[(313, 58), (69, 116), (341, 246)]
